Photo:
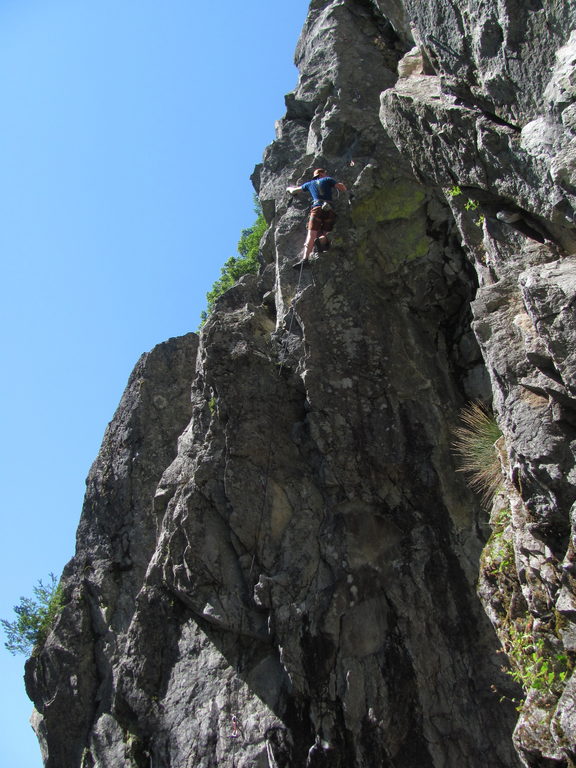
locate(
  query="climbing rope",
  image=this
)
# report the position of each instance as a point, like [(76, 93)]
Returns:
[(236, 733), (234, 736), (283, 355), (269, 452), (285, 345), (263, 507)]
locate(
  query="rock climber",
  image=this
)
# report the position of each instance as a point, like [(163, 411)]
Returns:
[(322, 215)]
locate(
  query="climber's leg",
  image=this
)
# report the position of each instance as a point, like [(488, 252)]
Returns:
[(313, 234), (308, 246), (325, 220)]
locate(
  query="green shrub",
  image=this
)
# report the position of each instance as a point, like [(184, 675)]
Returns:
[(243, 264), (499, 557), (533, 664), (35, 618), (474, 444)]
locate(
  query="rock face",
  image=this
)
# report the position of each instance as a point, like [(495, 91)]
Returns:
[(286, 569)]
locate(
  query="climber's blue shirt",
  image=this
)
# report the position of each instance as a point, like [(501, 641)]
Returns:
[(320, 189)]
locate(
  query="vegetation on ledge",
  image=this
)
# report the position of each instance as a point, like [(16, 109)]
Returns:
[(243, 264), (35, 618)]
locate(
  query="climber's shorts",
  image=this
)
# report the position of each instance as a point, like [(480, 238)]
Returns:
[(321, 220)]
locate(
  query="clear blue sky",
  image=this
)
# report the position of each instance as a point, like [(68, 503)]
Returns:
[(116, 116)]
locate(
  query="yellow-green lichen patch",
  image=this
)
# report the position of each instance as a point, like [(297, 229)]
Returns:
[(399, 199), (405, 241), (362, 251), (390, 245)]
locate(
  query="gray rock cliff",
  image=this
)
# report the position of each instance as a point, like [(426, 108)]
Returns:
[(278, 563)]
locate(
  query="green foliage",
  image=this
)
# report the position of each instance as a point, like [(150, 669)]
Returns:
[(35, 618), (469, 205), (243, 264), (501, 518), (474, 443), (533, 664), (500, 555)]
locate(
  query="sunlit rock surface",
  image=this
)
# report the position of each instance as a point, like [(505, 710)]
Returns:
[(277, 562)]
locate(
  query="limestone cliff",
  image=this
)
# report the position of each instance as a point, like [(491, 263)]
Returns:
[(286, 569)]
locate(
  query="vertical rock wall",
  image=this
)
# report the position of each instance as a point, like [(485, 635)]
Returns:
[(491, 124), (72, 680), (283, 570)]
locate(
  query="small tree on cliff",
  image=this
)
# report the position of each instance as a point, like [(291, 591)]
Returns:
[(35, 617), (243, 264)]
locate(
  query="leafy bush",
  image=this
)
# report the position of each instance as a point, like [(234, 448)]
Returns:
[(499, 558), (474, 444), (243, 264), (533, 664), (35, 618)]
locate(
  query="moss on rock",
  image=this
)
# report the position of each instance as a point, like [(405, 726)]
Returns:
[(397, 200)]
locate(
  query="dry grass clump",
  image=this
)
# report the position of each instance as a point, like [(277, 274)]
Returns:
[(474, 445)]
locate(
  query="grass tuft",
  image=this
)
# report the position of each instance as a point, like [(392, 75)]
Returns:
[(474, 445)]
